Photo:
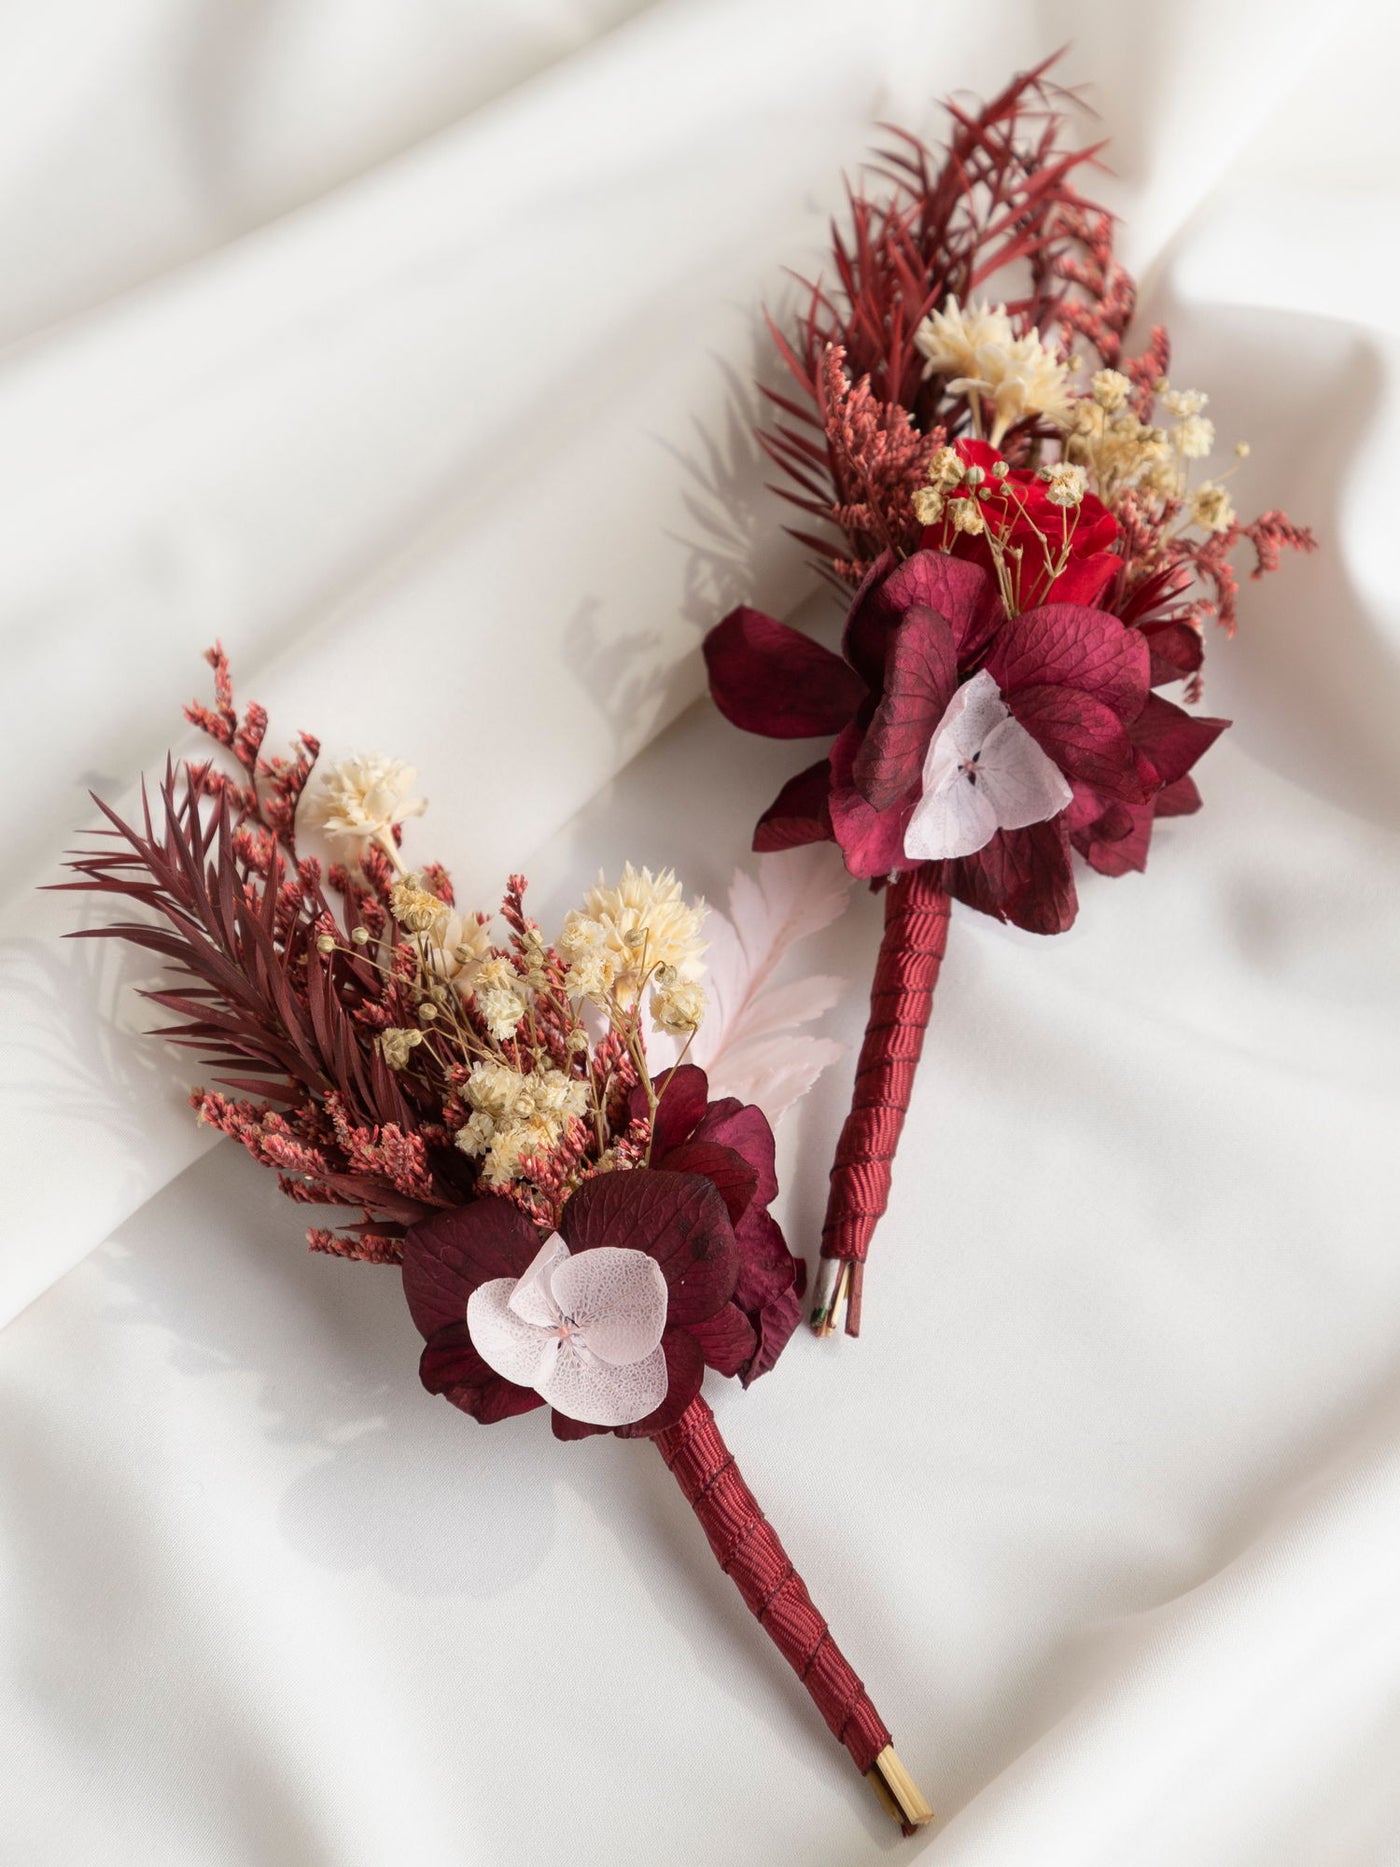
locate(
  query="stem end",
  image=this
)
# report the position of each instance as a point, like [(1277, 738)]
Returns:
[(898, 1791), (831, 1294)]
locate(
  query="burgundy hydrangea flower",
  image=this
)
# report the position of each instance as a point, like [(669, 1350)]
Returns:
[(700, 1211), (1074, 678), (731, 1143)]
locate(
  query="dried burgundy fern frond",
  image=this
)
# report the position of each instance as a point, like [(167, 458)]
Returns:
[(999, 196)]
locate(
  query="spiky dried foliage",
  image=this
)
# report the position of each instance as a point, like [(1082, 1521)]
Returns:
[(941, 225), (345, 1043), (1000, 202)]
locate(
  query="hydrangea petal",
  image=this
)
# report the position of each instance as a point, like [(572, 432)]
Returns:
[(599, 1394), (921, 673), (507, 1343), (770, 678), (799, 813), (983, 773), (531, 1300), (616, 1298), (953, 819), (1022, 783)]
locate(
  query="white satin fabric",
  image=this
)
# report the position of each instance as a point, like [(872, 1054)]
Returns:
[(407, 348)]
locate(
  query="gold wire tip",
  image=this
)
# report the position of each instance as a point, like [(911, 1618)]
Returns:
[(897, 1789), (838, 1292)]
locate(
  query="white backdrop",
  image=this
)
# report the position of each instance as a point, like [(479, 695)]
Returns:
[(407, 348)]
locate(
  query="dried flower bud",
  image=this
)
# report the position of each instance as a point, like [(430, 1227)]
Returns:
[(974, 476), (360, 935), (945, 470), (1241, 450), (635, 937), (414, 908), (679, 1010), (325, 943), (1000, 469), (1211, 508), (1065, 484), (427, 1011), (397, 1045)]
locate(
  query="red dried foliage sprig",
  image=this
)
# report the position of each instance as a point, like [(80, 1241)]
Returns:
[(1000, 195), (290, 982)]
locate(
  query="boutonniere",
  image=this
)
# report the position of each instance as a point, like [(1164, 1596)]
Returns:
[(582, 1232), (1035, 533)]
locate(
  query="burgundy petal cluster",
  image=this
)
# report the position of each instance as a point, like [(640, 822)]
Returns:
[(700, 1210), (1077, 678)]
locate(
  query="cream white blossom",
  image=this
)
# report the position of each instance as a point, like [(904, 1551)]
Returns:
[(1110, 389), (1194, 437), (630, 929), (397, 1045), (979, 351), (414, 908), (1065, 483), (928, 505), (951, 338), (455, 946), (516, 1116), (364, 797), (1211, 508), (679, 1008), (1183, 403)]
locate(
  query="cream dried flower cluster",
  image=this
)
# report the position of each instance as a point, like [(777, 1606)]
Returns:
[(360, 800), (1109, 446), (1006, 375), (517, 1115), (642, 929), (1121, 452), (504, 1026)]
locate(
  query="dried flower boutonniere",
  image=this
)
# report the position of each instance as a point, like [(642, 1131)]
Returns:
[(576, 1230), (1029, 520)]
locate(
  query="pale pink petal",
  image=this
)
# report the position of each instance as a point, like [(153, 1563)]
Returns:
[(1019, 778), (955, 820), (505, 1341), (532, 1300), (598, 1394), (975, 709), (615, 1297)]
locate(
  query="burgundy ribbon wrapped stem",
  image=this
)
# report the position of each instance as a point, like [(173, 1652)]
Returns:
[(747, 1548), (901, 999)]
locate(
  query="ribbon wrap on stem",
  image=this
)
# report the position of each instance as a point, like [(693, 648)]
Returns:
[(901, 999), (748, 1549)]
